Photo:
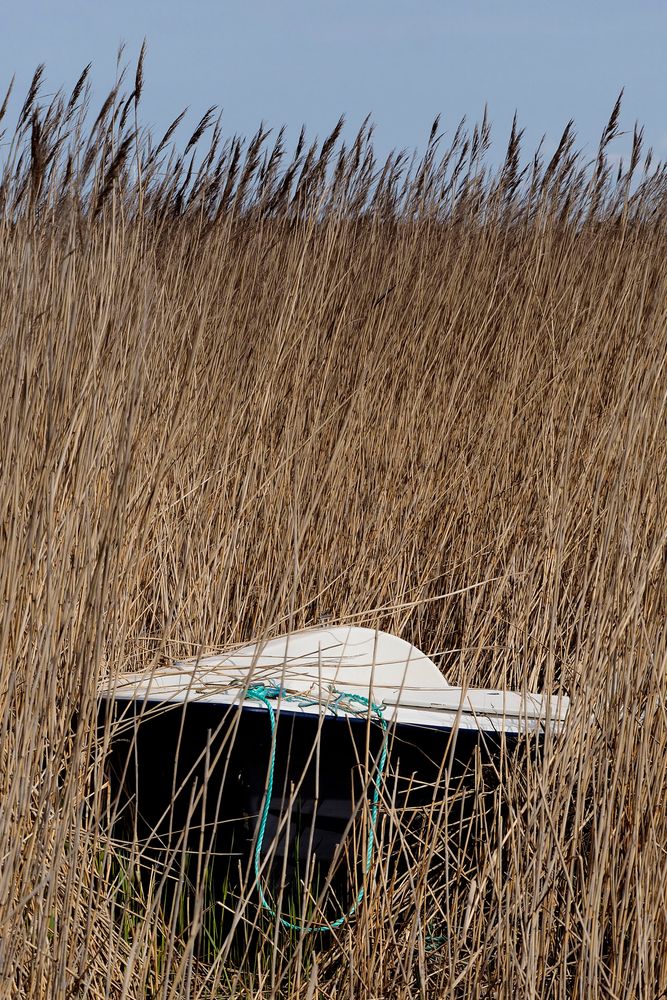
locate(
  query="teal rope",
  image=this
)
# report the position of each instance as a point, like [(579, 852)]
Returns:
[(263, 694)]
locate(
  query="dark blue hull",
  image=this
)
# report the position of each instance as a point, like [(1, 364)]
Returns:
[(191, 778)]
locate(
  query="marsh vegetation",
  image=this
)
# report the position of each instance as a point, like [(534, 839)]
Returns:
[(246, 387)]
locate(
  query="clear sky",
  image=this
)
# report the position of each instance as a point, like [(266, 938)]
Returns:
[(307, 61)]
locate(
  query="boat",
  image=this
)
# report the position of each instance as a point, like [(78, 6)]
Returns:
[(280, 760)]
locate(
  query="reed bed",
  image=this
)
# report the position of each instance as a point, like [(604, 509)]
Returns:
[(246, 388)]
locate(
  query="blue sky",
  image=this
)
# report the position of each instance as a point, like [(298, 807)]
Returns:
[(403, 61)]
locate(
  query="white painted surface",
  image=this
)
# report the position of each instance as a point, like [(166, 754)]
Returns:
[(318, 664)]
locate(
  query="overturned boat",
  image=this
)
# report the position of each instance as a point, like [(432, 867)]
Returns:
[(278, 762)]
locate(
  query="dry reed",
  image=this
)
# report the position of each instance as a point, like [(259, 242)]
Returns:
[(243, 390)]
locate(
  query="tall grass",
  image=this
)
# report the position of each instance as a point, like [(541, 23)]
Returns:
[(245, 388)]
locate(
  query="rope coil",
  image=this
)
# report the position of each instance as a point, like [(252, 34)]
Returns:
[(342, 701)]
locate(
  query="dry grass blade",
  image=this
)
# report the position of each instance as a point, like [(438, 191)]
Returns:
[(112, 174), (78, 88), (8, 94), (204, 123), (139, 76), (31, 95)]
